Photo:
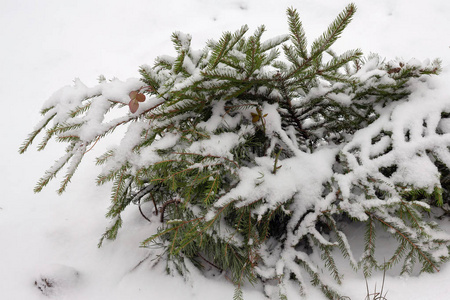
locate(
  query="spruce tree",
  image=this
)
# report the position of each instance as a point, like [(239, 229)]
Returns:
[(253, 160)]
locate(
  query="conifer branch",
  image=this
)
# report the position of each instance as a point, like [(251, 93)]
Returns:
[(225, 44), (333, 32), (298, 36), (206, 148), (75, 161), (410, 242), (53, 171), (111, 232), (33, 135)]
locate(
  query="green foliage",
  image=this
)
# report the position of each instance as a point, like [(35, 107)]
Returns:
[(247, 155)]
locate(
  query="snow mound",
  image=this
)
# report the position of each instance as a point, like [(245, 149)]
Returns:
[(53, 279)]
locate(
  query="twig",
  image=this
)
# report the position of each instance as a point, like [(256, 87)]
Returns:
[(215, 266), (210, 263), (98, 138), (154, 203), (142, 213), (139, 263), (163, 208)]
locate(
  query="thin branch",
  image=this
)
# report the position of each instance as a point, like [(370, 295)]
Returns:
[(154, 203), (142, 213), (98, 138), (406, 238), (163, 208)]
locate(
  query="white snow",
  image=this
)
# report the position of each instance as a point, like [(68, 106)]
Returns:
[(48, 43), (218, 145)]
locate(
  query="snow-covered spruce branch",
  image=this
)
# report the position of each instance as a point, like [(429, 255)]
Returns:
[(258, 153)]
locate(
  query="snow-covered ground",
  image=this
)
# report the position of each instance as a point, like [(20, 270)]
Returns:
[(46, 44)]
